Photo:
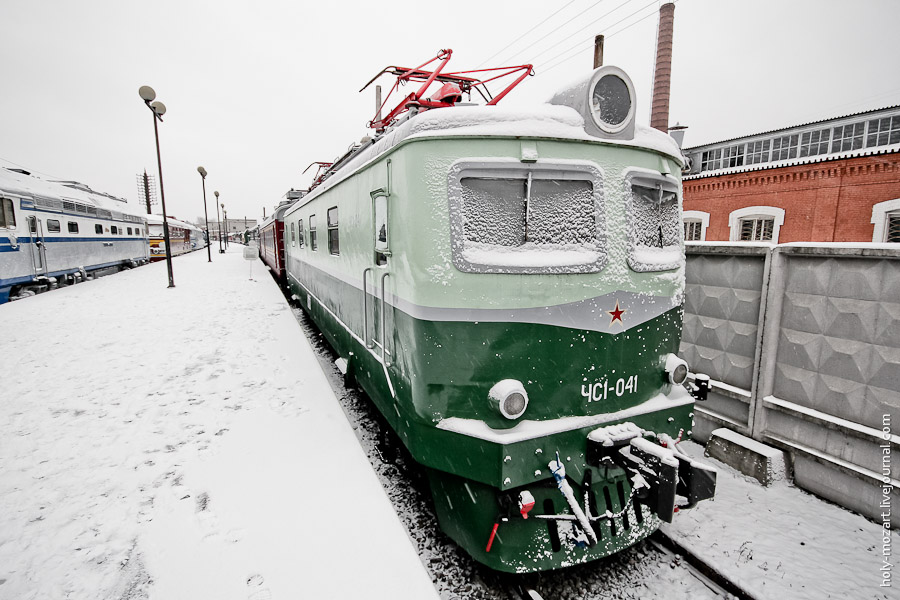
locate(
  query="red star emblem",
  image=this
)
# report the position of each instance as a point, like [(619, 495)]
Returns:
[(617, 314)]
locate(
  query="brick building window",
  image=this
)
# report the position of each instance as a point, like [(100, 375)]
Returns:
[(847, 137), (756, 224), (692, 230), (883, 132), (893, 228), (758, 152), (757, 229), (886, 221), (813, 143), (695, 223), (785, 147), (733, 156), (712, 160)]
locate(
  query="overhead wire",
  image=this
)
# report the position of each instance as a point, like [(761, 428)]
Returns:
[(581, 45), (29, 170), (592, 23), (558, 27), (539, 23)]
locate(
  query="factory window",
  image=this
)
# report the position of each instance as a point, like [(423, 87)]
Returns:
[(293, 236), (884, 131), (893, 228), (733, 156), (529, 218), (312, 233), (756, 224), (758, 152), (53, 226), (300, 233), (98, 229), (757, 229), (129, 231), (334, 246), (712, 160), (695, 224), (785, 147), (692, 229), (847, 137), (7, 215), (73, 227), (886, 221), (813, 143)]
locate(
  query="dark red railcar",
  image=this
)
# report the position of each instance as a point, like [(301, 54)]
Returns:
[(271, 236)]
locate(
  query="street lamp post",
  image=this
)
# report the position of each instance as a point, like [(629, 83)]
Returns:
[(159, 109), (225, 218), (202, 172), (219, 223)]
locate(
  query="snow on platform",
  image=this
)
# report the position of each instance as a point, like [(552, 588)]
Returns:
[(781, 542), (183, 443)]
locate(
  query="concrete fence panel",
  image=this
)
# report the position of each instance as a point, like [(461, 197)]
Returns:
[(825, 385)]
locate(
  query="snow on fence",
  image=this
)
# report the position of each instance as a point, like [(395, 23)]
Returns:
[(802, 342)]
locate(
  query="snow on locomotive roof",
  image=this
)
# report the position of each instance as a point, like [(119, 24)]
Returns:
[(158, 220), (544, 121), (22, 183)]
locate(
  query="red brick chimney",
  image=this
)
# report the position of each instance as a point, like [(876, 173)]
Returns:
[(662, 74)]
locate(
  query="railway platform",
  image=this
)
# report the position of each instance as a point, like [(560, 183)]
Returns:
[(184, 443)]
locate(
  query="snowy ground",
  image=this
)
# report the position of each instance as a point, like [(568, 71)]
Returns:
[(781, 542), (183, 443)]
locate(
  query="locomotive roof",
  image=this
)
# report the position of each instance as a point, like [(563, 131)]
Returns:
[(157, 220), (545, 121), (22, 183)]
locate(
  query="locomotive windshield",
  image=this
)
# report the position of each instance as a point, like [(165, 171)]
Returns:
[(655, 232), (518, 219)]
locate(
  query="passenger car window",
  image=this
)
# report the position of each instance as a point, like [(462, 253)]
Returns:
[(7, 214)]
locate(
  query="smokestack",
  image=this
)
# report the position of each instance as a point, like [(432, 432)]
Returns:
[(598, 51), (662, 74)]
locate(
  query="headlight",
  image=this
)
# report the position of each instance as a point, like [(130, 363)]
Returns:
[(676, 369), (611, 102), (509, 398), (606, 101)]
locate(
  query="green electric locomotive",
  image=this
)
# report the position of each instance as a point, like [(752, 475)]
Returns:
[(507, 287)]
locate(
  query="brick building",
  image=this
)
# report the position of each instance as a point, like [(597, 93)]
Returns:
[(836, 180)]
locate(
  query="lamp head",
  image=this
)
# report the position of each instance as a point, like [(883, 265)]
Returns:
[(216, 193), (146, 92), (158, 107), (202, 172)]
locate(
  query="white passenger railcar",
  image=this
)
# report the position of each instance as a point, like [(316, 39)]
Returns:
[(57, 232)]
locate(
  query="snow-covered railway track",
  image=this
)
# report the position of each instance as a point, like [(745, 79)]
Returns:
[(703, 572)]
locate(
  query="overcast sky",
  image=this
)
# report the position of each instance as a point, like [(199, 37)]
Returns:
[(256, 91)]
